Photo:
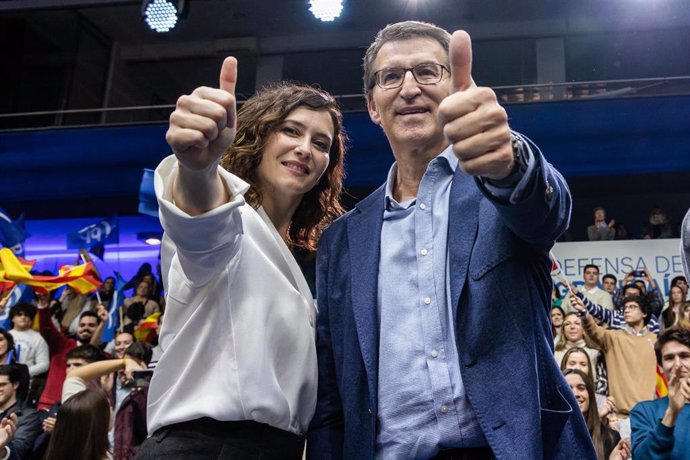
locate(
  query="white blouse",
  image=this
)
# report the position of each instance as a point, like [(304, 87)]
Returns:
[(238, 335)]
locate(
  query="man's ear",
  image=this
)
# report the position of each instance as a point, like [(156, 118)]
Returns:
[(373, 110)]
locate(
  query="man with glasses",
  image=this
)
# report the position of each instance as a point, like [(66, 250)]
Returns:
[(629, 352), (433, 333)]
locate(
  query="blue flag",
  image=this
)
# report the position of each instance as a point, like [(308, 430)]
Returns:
[(110, 329), (102, 232), (148, 204)]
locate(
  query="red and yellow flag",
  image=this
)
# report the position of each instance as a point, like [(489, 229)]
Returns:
[(81, 278)]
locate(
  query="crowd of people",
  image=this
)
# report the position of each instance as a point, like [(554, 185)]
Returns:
[(626, 351), (658, 225), (66, 393), (431, 339)]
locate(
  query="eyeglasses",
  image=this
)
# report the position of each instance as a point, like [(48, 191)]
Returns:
[(425, 74), (631, 306)]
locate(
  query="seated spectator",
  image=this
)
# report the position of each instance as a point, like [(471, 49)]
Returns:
[(651, 290), (673, 309), (607, 442), (573, 336), (681, 282), (557, 315), (659, 226), (577, 358), (146, 308), (30, 347), (609, 283), (8, 354), (28, 424), (661, 427), (630, 359), (601, 230), (591, 289), (81, 428)]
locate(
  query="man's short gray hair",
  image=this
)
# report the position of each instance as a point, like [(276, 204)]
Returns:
[(400, 31)]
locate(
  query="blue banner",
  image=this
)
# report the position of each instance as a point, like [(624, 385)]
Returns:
[(103, 232)]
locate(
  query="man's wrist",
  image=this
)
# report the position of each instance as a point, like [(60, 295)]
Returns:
[(520, 163)]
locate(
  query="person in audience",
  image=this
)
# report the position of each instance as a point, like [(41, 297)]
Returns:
[(681, 282), (31, 347), (629, 353), (144, 269), (557, 316), (106, 292), (591, 289), (72, 305), (615, 319), (81, 428), (229, 270), (673, 310), (601, 230), (607, 442), (573, 335), (59, 346), (8, 354), (578, 358), (609, 283), (640, 278), (130, 415), (142, 297), (661, 427), (28, 424), (659, 226)]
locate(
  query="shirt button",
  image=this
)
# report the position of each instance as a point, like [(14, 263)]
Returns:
[(444, 409), (434, 354), (424, 252), (422, 206), (427, 300)]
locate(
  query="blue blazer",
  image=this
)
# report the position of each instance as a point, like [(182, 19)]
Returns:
[(501, 287)]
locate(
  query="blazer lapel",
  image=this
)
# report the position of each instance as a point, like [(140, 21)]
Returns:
[(462, 231), (364, 236)]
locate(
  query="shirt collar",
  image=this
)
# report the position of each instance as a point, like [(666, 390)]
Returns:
[(446, 158)]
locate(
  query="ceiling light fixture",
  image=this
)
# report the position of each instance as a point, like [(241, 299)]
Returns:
[(162, 15), (326, 10)]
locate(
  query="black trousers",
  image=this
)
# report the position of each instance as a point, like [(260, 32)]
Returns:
[(206, 439)]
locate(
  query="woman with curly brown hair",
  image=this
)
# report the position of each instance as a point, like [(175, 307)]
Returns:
[(238, 373)]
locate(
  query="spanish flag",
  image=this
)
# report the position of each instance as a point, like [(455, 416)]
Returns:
[(81, 278), (661, 383)]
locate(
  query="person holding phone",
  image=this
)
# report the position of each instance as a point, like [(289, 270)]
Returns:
[(238, 373)]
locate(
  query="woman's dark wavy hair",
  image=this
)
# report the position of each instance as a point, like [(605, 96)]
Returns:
[(81, 428), (257, 119)]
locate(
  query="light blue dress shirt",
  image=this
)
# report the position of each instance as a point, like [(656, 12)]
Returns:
[(422, 403)]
